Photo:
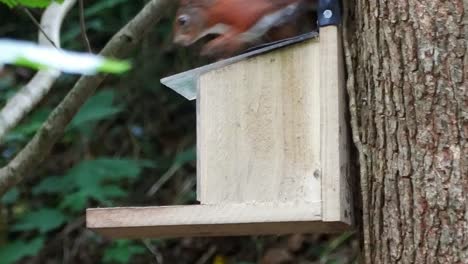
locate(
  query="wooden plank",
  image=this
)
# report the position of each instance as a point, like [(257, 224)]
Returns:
[(259, 128), (334, 153), (209, 220), (198, 129), (214, 230)]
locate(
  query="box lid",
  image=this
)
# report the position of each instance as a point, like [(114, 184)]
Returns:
[(185, 83)]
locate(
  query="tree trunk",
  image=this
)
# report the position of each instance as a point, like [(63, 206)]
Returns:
[(407, 66)]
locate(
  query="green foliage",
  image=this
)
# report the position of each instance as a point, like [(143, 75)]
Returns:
[(186, 156), (13, 252), (10, 197), (100, 6), (99, 107), (6, 82), (96, 179), (121, 251), (92, 172), (53, 185), (29, 3), (92, 180), (28, 128), (137, 118), (44, 220)]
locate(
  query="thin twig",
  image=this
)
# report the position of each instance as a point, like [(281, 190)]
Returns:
[(187, 187), (83, 27), (34, 20), (157, 255), (207, 255), (163, 179)]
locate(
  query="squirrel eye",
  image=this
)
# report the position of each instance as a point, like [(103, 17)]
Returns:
[(182, 20)]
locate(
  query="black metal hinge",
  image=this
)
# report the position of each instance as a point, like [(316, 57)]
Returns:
[(329, 12)]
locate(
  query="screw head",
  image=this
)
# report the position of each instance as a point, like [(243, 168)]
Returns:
[(327, 13)]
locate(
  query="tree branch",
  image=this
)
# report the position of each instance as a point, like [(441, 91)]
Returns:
[(83, 27), (52, 130), (31, 94)]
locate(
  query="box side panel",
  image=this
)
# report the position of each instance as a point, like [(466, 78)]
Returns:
[(336, 196), (259, 128), (199, 139)]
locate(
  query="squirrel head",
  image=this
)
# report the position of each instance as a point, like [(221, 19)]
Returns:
[(190, 21)]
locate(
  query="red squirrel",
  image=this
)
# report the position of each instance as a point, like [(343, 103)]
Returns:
[(238, 23)]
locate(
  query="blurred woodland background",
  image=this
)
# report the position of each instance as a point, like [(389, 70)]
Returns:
[(132, 143)]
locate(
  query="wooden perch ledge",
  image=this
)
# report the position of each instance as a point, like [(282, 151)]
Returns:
[(210, 220)]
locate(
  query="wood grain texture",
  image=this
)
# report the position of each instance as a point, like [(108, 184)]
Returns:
[(259, 132), (336, 196), (271, 151), (210, 220)]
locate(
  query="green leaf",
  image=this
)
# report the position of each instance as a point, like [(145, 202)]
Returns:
[(97, 108), (44, 220), (93, 178), (9, 3), (76, 201), (186, 156), (53, 184), (79, 200), (122, 251), (26, 130), (104, 193), (6, 82), (13, 252), (28, 3), (74, 32), (100, 6), (10, 197), (92, 172)]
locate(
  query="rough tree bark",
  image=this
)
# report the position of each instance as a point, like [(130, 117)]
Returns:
[(407, 65)]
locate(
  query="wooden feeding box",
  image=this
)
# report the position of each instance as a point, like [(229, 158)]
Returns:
[(272, 154)]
